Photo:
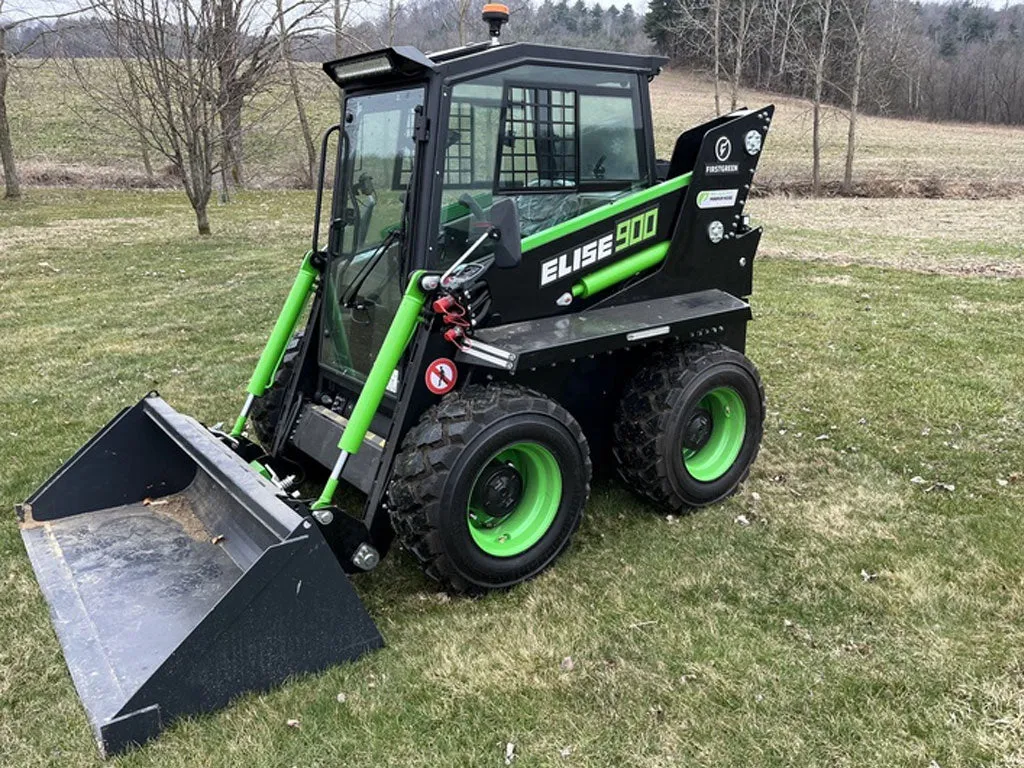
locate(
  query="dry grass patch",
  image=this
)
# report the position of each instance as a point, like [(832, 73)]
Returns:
[(939, 156), (952, 237), (63, 139)]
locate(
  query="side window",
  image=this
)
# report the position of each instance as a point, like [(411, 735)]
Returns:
[(608, 139), (539, 148), (558, 141)]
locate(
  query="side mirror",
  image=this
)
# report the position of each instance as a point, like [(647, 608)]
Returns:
[(508, 248)]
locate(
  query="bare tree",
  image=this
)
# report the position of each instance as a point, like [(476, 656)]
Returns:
[(12, 183), (716, 37), (692, 29), (293, 80), (822, 31), (394, 8), (163, 83), (858, 13), (341, 9), (739, 29), (462, 9), (247, 34)]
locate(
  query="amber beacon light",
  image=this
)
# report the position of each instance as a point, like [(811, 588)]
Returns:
[(496, 15)]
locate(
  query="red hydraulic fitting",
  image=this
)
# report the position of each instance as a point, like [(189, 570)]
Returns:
[(443, 305), (453, 335)]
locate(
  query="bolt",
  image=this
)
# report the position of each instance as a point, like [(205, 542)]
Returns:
[(743, 261), (324, 516), (366, 557)]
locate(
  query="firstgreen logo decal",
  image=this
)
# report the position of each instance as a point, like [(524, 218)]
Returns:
[(627, 232)]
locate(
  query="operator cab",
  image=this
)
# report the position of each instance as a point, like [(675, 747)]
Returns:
[(429, 143)]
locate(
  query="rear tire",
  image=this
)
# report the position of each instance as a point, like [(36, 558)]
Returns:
[(689, 426), (537, 458), (267, 410)]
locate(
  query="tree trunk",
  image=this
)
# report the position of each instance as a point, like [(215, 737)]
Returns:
[(12, 186), (819, 83), (851, 136), (340, 13), (293, 78), (392, 18), (199, 188), (231, 130), (737, 67), (718, 54), (202, 219), (463, 10), (147, 163)]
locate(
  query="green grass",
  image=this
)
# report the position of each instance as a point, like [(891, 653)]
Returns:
[(697, 641)]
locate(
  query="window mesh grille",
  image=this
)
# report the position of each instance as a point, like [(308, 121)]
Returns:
[(539, 142), (458, 162)]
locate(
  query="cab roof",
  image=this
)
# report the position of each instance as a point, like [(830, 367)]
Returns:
[(403, 62)]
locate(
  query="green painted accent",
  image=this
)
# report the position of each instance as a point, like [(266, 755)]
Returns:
[(273, 352), (325, 497), (239, 425), (457, 210), (605, 212), (615, 273), (728, 429), (532, 517), (260, 468), (391, 350)]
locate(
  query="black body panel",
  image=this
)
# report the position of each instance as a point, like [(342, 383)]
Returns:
[(695, 263), (691, 317), (317, 433)]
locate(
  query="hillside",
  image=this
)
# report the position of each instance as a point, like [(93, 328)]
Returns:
[(62, 138)]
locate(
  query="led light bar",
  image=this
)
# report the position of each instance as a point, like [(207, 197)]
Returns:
[(403, 60), (350, 70)]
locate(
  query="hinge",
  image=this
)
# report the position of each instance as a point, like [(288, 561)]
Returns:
[(420, 126)]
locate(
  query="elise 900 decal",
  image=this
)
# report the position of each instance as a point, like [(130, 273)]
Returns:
[(625, 234)]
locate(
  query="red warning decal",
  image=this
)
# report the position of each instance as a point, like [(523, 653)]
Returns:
[(441, 376)]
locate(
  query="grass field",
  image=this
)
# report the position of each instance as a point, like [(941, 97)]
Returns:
[(844, 609), (63, 138)]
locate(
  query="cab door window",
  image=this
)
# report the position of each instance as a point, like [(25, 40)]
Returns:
[(559, 142)]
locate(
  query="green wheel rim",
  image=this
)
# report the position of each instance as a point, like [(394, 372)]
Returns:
[(728, 428), (532, 517)]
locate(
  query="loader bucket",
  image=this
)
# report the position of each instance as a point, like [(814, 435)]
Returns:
[(177, 578)]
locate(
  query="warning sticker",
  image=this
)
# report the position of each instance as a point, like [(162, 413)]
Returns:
[(717, 198), (441, 376)]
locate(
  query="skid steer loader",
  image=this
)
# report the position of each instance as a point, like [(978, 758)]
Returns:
[(511, 287)]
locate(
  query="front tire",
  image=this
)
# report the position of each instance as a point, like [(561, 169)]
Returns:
[(689, 426), (490, 486)]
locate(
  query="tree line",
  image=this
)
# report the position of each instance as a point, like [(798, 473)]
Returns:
[(936, 61), (942, 61), (178, 77)]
